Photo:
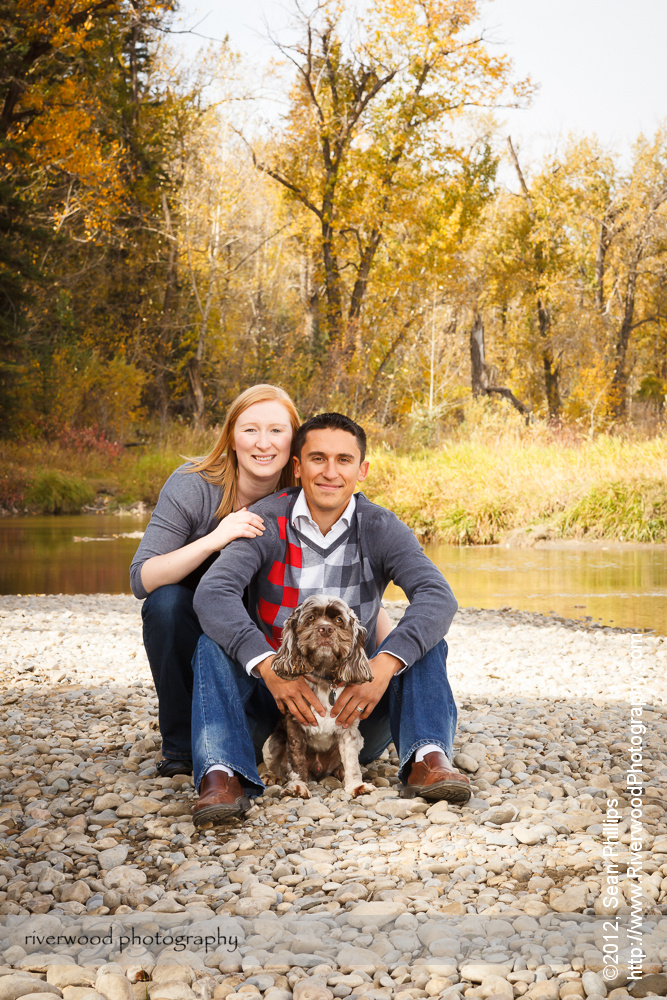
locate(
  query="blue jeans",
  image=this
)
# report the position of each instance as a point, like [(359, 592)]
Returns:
[(171, 633), (233, 714)]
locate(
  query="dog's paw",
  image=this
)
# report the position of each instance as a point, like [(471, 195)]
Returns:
[(270, 779), (298, 788), (356, 790)]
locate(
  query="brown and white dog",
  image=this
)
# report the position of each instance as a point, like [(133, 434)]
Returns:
[(323, 642)]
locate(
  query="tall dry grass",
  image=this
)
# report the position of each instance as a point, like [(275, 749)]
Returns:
[(491, 475), (474, 492)]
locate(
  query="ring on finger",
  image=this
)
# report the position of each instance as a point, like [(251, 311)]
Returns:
[(359, 708)]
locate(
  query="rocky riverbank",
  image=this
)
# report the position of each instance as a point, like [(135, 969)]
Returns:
[(381, 897)]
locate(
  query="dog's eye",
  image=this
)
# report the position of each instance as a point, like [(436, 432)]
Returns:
[(310, 618), (338, 620)]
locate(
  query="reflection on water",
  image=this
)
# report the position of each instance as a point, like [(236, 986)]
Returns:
[(626, 586), (623, 586), (39, 555)]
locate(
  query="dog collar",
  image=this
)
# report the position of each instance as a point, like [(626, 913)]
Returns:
[(332, 687)]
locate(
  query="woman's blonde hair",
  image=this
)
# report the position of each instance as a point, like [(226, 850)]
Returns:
[(220, 466)]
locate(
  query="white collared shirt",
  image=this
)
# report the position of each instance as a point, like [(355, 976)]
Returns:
[(303, 521)]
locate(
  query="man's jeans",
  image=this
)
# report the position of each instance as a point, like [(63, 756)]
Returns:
[(233, 714), (171, 632)]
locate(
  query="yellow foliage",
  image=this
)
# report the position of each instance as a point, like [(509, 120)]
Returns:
[(85, 390)]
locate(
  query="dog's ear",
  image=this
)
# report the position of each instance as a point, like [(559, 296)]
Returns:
[(289, 662), (356, 668)]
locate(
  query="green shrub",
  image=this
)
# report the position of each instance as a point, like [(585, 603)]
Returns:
[(56, 493), (625, 511), (147, 475)]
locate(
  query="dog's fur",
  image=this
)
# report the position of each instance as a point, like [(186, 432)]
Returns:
[(322, 641)]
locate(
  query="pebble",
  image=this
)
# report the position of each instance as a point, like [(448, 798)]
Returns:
[(379, 898)]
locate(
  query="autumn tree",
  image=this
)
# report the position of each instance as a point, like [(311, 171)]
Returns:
[(89, 148), (369, 132), (631, 250)]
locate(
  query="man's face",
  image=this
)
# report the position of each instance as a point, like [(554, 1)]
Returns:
[(329, 468)]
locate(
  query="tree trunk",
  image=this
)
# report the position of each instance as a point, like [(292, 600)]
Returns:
[(479, 377), (361, 284), (331, 276), (618, 390), (165, 331), (309, 302), (551, 369), (196, 384), (480, 373)]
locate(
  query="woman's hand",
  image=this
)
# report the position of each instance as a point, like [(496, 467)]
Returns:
[(239, 524), (172, 567)]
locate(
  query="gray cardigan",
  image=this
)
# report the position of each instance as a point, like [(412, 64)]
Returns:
[(392, 549), (185, 511)]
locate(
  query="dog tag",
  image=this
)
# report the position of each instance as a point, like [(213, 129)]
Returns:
[(332, 696)]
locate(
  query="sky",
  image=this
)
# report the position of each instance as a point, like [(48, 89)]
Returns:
[(601, 65)]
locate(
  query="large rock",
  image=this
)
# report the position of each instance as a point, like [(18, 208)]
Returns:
[(500, 815), (465, 762), (572, 900), (438, 810), (652, 983), (107, 801), (124, 878), (114, 986), (396, 808), (38, 995), (318, 854), (168, 973), (170, 991), (594, 984), (378, 913), (477, 972), (546, 990), (532, 834), (79, 992), (253, 906), (311, 989), (351, 959), (75, 892), (496, 986), (14, 986), (113, 857), (69, 975)]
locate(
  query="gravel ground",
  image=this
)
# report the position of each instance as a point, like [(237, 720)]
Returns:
[(379, 898)]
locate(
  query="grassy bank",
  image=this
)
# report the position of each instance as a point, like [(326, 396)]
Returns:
[(462, 492), (476, 493)]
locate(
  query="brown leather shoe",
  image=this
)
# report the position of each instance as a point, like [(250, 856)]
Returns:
[(434, 779), (220, 798)]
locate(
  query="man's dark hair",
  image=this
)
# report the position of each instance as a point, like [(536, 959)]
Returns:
[(333, 422)]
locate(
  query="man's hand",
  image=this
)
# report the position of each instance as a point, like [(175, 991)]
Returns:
[(364, 697), (293, 696)]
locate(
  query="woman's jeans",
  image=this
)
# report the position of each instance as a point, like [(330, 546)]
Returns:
[(233, 714), (171, 633)]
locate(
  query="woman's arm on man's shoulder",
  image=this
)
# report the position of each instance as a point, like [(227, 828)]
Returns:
[(168, 551)]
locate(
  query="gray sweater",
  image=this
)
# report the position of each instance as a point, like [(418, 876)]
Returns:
[(185, 511), (391, 548)]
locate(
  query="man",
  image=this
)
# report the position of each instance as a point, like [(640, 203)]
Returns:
[(321, 539)]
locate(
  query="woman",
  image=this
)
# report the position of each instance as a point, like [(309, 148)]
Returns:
[(202, 507)]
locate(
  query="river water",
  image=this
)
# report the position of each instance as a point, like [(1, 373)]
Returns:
[(621, 585)]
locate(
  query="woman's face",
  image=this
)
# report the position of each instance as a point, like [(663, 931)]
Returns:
[(262, 441)]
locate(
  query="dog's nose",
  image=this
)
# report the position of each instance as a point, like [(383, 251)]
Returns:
[(325, 629)]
